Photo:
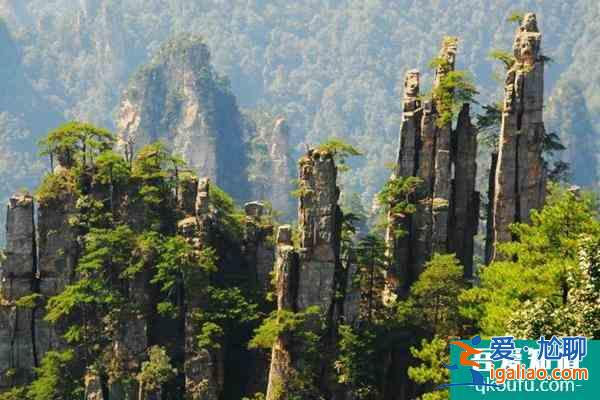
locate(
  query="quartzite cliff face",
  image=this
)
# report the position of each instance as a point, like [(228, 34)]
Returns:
[(179, 98), (307, 276), (41, 259), (520, 174), (443, 158)]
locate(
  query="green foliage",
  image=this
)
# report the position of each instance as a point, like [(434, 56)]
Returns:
[(210, 336), (53, 185), (279, 323), (372, 261), (505, 57), (154, 161), (156, 371), (256, 396), (433, 305), (111, 168), (57, 378), (340, 150), (551, 144), (430, 371), (516, 17), (356, 362), (433, 308), (17, 393), (31, 301), (76, 143), (157, 170), (397, 198), (178, 262), (560, 172), (89, 305), (226, 311), (230, 216), (488, 125), (538, 266), (437, 62), (454, 89)]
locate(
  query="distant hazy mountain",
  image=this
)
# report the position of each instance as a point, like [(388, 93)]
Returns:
[(332, 68)]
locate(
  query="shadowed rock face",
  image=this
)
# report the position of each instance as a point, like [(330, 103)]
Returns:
[(446, 201), (520, 174), (43, 268), (17, 276), (179, 98), (306, 275)]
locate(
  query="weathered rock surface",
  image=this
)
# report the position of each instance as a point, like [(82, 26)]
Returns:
[(319, 220), (58, 252), (446, 202), (258, 250), (464, 218), (442, 165), (201, 373), (520, 176), (284, 354), (271, 169), (179, 98), (17, 279), (306, 276)]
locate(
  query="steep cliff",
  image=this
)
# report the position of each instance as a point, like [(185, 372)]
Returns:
[(445, 214), (306, 281), (180, 99), (130, 262), (18, 355), (520, 175), (270, 165)]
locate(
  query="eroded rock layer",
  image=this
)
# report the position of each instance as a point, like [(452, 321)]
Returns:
[(180, 99), (306, 276), (446, 203), (520, 174)]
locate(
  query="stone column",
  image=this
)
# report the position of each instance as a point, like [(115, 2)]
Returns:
[(283, 355), (465, 200), (18, 354), (201, 375), (399, 249), (58, 254), (443, 170), (520, 174), (259, 253), (319, 220)]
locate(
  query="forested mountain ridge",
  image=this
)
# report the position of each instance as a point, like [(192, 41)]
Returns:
[(331, 68), (130, 276)]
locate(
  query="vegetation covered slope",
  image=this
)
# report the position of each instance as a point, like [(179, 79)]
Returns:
[(331, 68)]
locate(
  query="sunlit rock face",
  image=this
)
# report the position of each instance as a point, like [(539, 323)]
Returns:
[(178, 98)]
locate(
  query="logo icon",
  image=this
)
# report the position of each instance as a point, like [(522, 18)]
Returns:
[(468, 351)]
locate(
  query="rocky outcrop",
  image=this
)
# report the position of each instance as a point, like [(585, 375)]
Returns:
[(18, 354), (258, 249), (446, 203), (442, 173), (399, 248), (284, 354), (179, 98), (38, 266), (520, 176), (307, 276), (271, 166), (201, 376), (58, 251), (319, 220), (464, 218)]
